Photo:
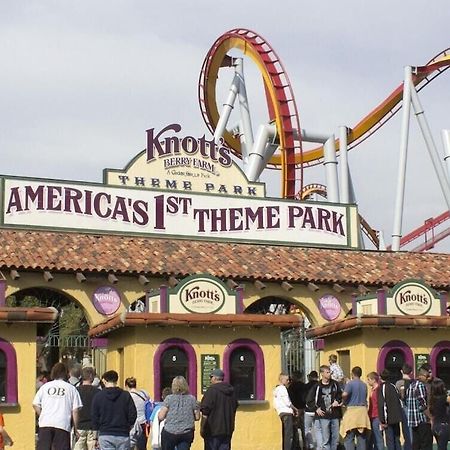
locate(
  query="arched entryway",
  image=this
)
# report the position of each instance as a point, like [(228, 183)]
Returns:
[(440, 361), (298, 354), (67, 340), (392, 356)]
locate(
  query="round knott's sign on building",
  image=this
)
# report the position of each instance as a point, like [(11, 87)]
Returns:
[(202, 294), (413, 299), (106, 300), (329, 307)]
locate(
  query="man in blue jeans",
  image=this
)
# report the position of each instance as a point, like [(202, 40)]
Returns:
[(328, 401)]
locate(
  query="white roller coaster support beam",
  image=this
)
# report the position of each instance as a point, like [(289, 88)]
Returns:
[(431, 146), (446, 141), (343, 152), (257, 156), (226, 110), (352, 198), (400, 197), (245, 122), (330, 163)]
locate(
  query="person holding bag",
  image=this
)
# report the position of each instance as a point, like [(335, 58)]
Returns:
[(180, 410)]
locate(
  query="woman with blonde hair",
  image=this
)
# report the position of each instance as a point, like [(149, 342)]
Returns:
[(180, 410)]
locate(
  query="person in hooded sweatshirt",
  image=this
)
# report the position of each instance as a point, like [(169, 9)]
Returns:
[(218, 407), (113, 414)]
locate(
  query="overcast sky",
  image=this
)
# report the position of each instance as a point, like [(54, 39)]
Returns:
[(81, 81)]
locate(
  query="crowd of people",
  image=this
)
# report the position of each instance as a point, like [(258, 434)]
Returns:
[(367, 415), (76, 412)]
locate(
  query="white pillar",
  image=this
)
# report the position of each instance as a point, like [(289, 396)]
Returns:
[(343, 152), (330, 163), (431, 146), (400, 197), (256, 157), (245, 122), (226, 110), (446, 141)]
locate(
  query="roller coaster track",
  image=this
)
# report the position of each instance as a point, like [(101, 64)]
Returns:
[(281, 101)]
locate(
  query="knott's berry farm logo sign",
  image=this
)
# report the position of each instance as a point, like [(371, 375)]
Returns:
[(179, 187), (413, 299), (202, 294), (189, 164)]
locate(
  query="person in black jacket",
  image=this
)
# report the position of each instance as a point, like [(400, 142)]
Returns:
[(113, 414), (218, 407), (326, 399), (87, 436), (390, 411)]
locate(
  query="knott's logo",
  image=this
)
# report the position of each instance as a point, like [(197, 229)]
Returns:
[(413, 299), (202, 295), (185, 152)]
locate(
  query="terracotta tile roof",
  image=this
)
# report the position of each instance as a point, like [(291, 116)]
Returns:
[(350, 323), (57, 251), (192, 320), (35, 315)]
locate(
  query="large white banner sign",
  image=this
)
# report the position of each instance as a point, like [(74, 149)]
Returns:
[(105, 209)]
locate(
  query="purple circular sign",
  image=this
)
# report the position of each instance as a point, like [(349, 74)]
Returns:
[(106, 300), (329, 307)]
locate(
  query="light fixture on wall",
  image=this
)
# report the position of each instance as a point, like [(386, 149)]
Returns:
[(14, 274), (259, 285), (286, 286), (112, 278), (48, 276), (363, 289), (172, 281), (232, 284), (80, 277), (143, 280)]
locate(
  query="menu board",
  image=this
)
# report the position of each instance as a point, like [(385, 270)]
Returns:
[(420, 359), (208, 363)]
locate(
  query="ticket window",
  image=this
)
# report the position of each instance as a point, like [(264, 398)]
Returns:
[(443, 367), (174, 362), (394, 362), (243, 373)]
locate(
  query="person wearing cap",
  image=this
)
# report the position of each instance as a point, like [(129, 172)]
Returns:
[(218, 408)]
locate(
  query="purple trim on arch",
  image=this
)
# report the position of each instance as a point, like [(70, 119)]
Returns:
[(394, 345), (259, 357), (381, 302), (441, 345), (192, 364), (443, 298), (11, 371), (2, 292)]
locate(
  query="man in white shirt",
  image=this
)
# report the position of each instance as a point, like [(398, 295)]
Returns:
[(57, 403), (285, 410)]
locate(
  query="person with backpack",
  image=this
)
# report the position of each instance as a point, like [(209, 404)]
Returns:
[(138, 434), (390, 411), (418, 414), (402, 386)]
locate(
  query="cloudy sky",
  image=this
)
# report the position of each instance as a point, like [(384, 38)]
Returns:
[(80, 82)]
